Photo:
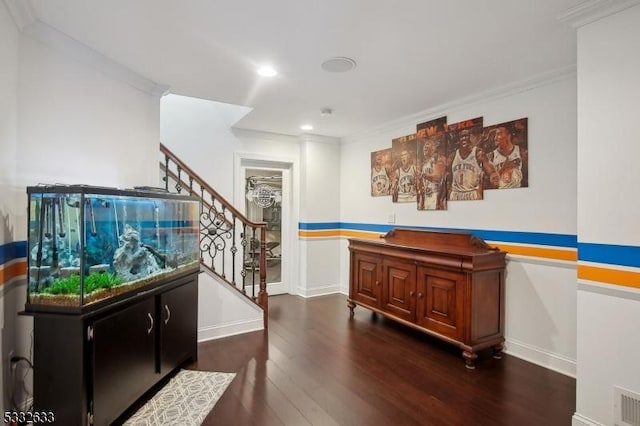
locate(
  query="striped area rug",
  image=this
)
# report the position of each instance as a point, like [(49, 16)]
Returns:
[(185, 400)]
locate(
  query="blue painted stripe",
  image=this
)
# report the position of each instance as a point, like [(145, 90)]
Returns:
[(609, 254), (317, 226), (536, 238), (10, 251)]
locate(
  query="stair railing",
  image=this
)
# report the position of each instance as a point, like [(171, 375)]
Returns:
[(232, 247)]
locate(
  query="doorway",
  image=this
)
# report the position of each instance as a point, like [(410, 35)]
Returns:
[(266, 197), (263, 203)]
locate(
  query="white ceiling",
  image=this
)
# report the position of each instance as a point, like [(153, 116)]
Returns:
[(412, 55)]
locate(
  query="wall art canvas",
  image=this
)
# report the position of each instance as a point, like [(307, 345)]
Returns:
[(506, 147), (431, 184), (465, 124), (381, 165), (467, 164), (432, 127), (403, 180)]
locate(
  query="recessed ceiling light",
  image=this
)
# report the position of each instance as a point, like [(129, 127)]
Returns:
[(338, 64), (306, 127), (267, 71)]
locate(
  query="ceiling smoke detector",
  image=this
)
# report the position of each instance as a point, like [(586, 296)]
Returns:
[(326, 112), (338, 64)]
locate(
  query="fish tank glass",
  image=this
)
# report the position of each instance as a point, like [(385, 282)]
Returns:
[(89, 244)]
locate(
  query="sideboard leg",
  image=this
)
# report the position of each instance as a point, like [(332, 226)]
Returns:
[(497, 350), (351, 306), (469, 359)]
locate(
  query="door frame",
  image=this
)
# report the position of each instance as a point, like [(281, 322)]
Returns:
[(290, 210)]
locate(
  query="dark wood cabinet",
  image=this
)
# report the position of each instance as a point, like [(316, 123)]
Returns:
[(90, 367), (178, 326), (123, 359), (447, 284)]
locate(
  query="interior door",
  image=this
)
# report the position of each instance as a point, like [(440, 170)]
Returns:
[(266, 200)]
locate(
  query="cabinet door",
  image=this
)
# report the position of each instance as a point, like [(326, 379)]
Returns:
[(398, 289), (179, 326), (441, 301), (365, 279), (123, 359)]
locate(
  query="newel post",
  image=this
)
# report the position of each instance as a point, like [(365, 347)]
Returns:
[(263, 297)]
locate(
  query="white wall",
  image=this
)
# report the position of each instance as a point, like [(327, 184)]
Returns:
[(320, 202), (8, 193), (78, 125), (199, 132), (540, 295), (66, 122), (608, 339)]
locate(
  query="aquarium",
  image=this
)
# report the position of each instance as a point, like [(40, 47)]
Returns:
[(88, 244)]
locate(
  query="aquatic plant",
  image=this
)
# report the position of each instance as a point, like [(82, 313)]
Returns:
[(92, 282)]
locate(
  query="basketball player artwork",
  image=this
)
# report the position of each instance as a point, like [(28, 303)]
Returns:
[(403, 183), (431, 180), (467, 166), (380, 173), (506, 148), (431, 183)]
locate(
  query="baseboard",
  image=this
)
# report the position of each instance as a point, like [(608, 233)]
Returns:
[(541, 357), (579, 420), (230, 329), (318, 291)]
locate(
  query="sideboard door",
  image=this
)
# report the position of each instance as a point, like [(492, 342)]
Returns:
[(441, 301), (398, 288), (366, 279)]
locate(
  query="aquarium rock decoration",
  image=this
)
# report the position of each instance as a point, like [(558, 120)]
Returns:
[(132, 260)]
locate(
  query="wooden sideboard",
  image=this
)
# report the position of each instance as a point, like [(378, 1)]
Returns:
[(447, 284)]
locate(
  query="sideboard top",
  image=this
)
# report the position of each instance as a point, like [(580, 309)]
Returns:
[(445, 241)]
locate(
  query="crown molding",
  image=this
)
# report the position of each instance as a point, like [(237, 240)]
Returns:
[(308, 137), (594, 10), (27, 22), (542, 79), (240, 132)]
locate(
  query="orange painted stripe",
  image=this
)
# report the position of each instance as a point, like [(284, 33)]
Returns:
[(332, 233), (547, 253), (360, 234), (609, 276), (14, 270)]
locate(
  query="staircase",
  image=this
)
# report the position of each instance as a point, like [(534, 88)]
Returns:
[(232, 248)]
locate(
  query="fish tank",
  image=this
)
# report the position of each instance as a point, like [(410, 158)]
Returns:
[(87, 245)]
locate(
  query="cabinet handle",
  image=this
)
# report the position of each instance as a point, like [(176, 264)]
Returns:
[(411, 293), (166, 308), (377, 282), (151, 325), (420, 295)]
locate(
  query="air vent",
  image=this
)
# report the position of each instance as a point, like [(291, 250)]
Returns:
[(338, 64), (626, 407)]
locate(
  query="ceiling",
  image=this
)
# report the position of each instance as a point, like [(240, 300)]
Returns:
[(411, 55)]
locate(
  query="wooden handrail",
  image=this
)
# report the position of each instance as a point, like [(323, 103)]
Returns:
[(204, 185)]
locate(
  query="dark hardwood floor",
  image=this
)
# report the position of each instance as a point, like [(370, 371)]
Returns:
[(315, 366)]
